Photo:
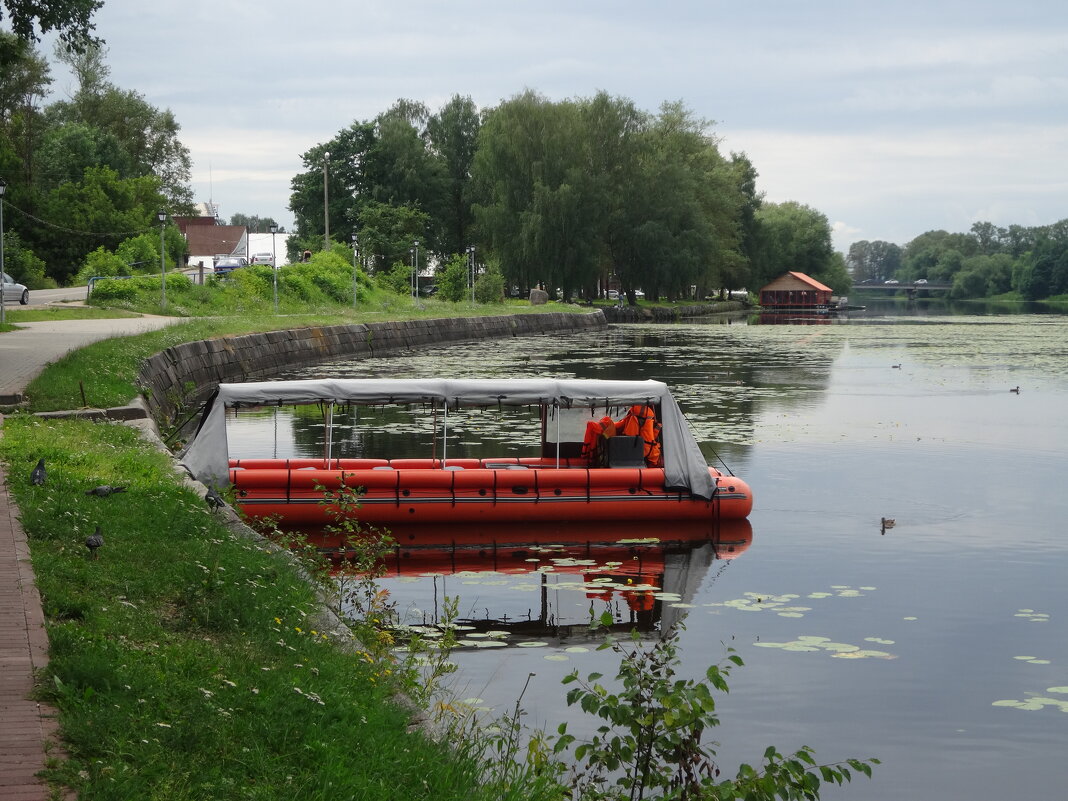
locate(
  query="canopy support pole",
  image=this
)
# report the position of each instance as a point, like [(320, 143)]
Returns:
[(556, 409), (329, 444), (444, 432)]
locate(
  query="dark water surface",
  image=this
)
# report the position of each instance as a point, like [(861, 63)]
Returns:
[(939, 646)]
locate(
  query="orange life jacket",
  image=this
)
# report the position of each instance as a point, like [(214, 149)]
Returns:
[(640, 421), (593, 443)]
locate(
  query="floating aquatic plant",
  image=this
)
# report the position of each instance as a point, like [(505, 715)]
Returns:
[(1036, 702), (1033, 616), (839, 650)]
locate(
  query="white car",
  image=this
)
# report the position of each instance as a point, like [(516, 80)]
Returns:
[(13, 291), (262, 258)]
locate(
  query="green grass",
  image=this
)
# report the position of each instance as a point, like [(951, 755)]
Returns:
[(108, 369), (184, 663), (67, 313)]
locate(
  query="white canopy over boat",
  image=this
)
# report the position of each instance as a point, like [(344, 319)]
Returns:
[(685, 468)]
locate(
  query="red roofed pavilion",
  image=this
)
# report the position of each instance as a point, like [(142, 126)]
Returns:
[(795, 291)]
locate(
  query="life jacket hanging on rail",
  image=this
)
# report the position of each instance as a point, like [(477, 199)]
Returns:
[(594, 443), (640, 421)]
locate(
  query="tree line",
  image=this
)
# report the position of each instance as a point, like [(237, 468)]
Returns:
[(84, 174), (987, 261), (575, 195)]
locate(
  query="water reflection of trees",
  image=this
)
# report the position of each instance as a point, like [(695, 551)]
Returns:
[(721, 374)]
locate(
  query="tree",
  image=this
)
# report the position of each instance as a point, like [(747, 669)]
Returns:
[(875, 261), (71, 19), (101, 209), (145, 138), (530, 190), (24, 83), (792, 237), (452, 135), (388, 231), (255, 223)]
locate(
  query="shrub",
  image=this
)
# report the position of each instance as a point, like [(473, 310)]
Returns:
[(452, 281), (21, 263), (101, 262), (141, 253), (489, 288), (397, 279), (116, 289)]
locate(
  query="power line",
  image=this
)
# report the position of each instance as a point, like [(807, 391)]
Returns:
[(63, 228)]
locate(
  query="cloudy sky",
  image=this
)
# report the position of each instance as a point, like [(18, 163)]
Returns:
[(890, 118)]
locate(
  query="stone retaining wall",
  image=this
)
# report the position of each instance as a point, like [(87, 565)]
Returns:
[(184, 375), (669, 314)]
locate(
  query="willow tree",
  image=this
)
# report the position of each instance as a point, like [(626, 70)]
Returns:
[(536, 206), (678, 224)]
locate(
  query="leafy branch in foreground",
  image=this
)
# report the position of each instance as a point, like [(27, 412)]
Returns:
[(650, 745)]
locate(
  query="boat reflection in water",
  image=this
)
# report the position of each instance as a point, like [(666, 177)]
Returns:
[(543, 584)]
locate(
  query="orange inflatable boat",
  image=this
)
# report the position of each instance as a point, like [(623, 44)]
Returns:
[(610, 451)]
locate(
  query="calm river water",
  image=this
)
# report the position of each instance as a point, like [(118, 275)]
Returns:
[(938, 645)]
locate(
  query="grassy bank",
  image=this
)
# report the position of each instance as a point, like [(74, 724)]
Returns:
[(185, 660), (107, 370)]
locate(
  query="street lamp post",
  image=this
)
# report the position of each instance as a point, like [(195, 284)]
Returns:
[(161, 215), (355, 249), (3, 188), (471, 267), (326, 201), (274, 266), (415, 269)]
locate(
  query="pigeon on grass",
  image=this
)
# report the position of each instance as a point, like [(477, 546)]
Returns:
[(38, 475), (94, 541)]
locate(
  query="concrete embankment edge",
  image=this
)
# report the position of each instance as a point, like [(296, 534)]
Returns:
[(186, 374)]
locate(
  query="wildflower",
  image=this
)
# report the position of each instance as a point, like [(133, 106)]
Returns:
[(278, 620), (164, 725), (230, 683), (255, 690), (207, 693), (298, 629)]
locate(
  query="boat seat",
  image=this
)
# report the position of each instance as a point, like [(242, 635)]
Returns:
[(453, 467), (382, 467), (505, 466), (626, 451)]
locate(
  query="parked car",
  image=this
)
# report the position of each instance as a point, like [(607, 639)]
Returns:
[(228, 265), (263, 258), (13, 290)]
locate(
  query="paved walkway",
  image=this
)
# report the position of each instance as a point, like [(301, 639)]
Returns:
[(25, 725), (26, 352)]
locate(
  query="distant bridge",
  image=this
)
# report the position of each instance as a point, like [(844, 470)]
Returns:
[(909, 286)]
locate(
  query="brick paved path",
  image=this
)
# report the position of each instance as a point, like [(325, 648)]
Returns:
[(25, 725)]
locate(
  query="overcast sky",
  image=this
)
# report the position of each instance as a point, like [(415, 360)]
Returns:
[(890, 118)]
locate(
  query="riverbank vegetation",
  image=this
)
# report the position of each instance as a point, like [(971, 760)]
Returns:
[(1016, 263), (104, 374)]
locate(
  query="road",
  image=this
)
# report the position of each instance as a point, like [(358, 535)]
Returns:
[(42, 297)]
